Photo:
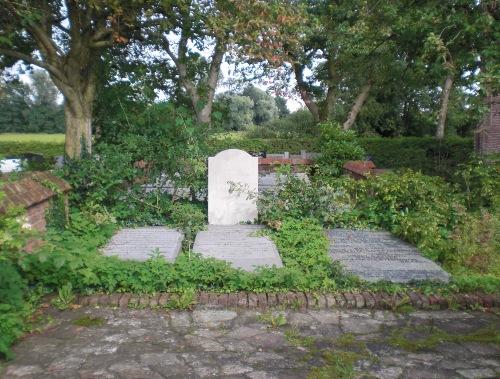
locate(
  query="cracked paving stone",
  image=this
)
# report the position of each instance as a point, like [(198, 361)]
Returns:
[(204, 343), (213, 317), (134, 370), (238, 344), (478, 373), (235, 369)]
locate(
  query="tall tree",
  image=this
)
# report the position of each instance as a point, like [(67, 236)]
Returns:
[(342, 39), (195, 35), (66, 38), (265, 108)]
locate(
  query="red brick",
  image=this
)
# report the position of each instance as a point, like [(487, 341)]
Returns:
[(350, 300), (253, 300), (114, 299), (262, 300), (301, 300), (243, 299), (321, 301), (360, 300), (232, 300), (272, 300), (330, 299), (124, 300), (203, 298), (153, 300), (103, 300), (94, 300), (369, 299), (340, 300), (164, 298), (415, 299), (222, 299)]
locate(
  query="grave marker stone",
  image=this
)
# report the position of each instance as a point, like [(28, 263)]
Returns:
[(226, 207), (377, 256), (238, 245), (138, 243)]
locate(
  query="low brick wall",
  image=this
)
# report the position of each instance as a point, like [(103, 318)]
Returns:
[(300, 300)]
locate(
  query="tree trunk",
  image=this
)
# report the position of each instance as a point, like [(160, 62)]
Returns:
[(358, 104), (78, 120), (203, 116), (327, 107), (302, 86), (445, 99)]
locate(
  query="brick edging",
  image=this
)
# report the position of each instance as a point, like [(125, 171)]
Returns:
[(299, 300)]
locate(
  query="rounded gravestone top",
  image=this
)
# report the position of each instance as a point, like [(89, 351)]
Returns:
[(232, 153)]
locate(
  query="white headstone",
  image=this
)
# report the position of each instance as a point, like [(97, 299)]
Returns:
[(226, 207)]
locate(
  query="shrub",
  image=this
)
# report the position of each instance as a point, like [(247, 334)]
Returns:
[(419, 208), (479, 180), (336, 147), (297, 198), (188, 217)]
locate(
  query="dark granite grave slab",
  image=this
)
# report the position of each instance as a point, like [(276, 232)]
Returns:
[(375, 256)]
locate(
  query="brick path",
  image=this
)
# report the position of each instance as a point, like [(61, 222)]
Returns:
[(243, 343)]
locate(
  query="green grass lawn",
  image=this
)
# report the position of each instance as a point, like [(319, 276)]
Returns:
[(31, 137)]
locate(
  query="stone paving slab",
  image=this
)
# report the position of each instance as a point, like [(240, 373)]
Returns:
[(225, 343), (238, 245), (139, 243), (375, 256)]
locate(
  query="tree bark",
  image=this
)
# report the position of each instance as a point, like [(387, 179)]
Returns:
[(358, 104), (443, 111), (307, 98), (78, 130)]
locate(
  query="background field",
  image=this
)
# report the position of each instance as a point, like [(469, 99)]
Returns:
[(31, 137)]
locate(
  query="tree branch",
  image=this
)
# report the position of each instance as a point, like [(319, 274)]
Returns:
[(29, 59)]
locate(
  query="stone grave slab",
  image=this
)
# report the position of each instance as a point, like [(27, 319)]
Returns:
[(237, 245), (138, 243), (374, 255), (270, 181), (226, 207)]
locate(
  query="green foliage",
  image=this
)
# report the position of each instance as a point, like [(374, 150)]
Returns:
[(265, 108), (48, 149), (405, 337), (12, 286), (299, 198), (298, 124), (274, 145), (65, 297), (88, 321), (273, 319), (479, 180), (189, 218), (426, 154), (30, 108), (416, 207), (183, 300), (339, 364), (336, 147)]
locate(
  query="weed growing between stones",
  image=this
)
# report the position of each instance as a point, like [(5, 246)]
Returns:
[(338, 365), (184, 300), (88, 321), (273, 320), (425, 337)]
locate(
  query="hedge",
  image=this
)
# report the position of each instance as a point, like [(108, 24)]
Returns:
[(431, 156), (426, 154), (275, 145)]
